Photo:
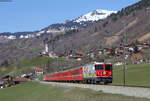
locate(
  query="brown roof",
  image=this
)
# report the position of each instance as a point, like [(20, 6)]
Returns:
[(38, 69), (21, 79), (137, 56)]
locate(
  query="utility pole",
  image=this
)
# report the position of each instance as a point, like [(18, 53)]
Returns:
[(124, 53)]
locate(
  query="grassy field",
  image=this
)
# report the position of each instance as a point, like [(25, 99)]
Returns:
[(26, 66), (38, 92), (138, 74)]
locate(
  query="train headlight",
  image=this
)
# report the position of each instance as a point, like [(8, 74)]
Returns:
[(110, 74), (104, 73)]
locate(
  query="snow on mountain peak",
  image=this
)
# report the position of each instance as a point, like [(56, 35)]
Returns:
[(95, 15)]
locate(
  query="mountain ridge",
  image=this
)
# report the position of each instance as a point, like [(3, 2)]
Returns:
[(74, 24)]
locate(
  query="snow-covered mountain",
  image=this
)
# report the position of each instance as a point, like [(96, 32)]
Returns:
[(94, 16), (74, 24), (79, 22)]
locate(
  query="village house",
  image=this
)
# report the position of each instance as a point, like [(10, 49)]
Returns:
[(51, 54), (138, 57), (38, 71), (77, 56)]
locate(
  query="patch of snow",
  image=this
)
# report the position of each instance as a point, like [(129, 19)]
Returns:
[(11, 37), (118, 64), (95, 15), (21, 36)]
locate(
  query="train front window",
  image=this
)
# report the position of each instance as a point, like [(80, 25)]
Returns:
[(108, 67), (98, 67)]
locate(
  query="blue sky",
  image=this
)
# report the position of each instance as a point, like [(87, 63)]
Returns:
[(30, 15)]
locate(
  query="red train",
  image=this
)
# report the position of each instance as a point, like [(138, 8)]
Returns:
[(91, 73)]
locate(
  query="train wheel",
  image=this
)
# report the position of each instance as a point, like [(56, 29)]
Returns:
[(88, 81), (93, 82), (97, 82), (105, 83), (84, 81)]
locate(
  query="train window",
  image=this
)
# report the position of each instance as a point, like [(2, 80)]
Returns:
[(108, 67), (98, 67)]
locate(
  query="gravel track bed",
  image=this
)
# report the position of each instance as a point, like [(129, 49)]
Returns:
[(127, 91)]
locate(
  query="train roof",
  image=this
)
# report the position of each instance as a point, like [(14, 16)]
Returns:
[(74, 67), (101, 62)]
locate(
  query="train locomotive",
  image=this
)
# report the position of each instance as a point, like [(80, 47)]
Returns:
[(95, 72)]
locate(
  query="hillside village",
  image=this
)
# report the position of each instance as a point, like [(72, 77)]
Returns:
[(136, 52)]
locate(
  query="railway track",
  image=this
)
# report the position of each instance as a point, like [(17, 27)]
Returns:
[(127, 90)]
